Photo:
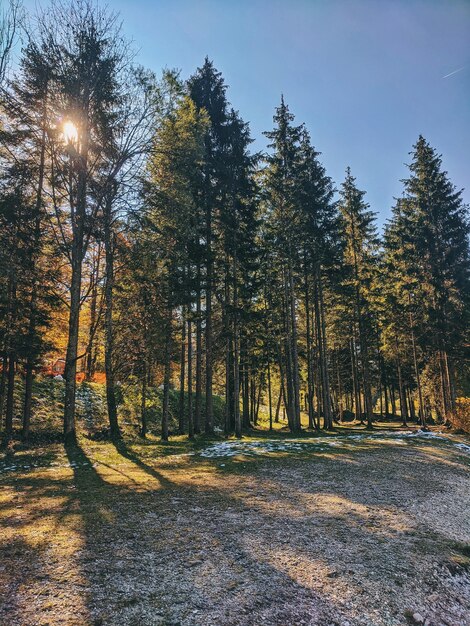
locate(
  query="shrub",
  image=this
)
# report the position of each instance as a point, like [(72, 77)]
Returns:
[(462, 414)]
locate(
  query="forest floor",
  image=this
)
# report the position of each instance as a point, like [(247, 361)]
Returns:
[(347, 529)]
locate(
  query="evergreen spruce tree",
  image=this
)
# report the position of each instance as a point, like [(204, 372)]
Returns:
[(282, 197), (360, 263), (428, 240)]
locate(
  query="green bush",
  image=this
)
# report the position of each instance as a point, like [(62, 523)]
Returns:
[(462, 414), (91, 408)]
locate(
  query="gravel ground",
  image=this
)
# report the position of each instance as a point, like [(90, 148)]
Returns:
[(368, 532)]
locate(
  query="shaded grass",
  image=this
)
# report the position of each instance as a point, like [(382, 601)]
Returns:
[(99, 520)]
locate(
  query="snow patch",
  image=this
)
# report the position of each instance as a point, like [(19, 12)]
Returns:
[(270, 446)]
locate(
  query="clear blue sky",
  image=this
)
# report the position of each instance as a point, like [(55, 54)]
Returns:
[(366, 76)]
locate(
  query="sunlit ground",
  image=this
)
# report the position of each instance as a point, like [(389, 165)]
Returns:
[(340, 529)]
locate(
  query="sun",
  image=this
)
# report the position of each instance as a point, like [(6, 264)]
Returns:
[(70, 132)]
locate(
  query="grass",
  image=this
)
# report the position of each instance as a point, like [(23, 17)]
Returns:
[(145, 532)]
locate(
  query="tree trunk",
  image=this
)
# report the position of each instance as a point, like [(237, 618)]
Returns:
[(340, 391), (190, 382), (197, 402), (3, 381), (109, 245), (412, 406), (310, 386), (182, 375), (393, 401), (28, 398), (166, 379), (324, 353), (28, 393), (228, 353), (78, 218), (295, 352), (143, 403), (10, 399), (236, 356), (245, 385), (401, 391), (209, 420), (355, 378), (91, 352), (416, 368), (270, 400), (386, 399)]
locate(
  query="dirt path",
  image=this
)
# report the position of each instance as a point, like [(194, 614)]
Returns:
[(365, 532)]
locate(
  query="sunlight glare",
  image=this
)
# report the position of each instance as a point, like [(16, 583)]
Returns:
[(70, 132)]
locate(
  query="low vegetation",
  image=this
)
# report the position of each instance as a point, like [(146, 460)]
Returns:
[(145, 532)]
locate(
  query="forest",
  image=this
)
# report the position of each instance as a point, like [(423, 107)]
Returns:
[(142, 239), (164, 287)]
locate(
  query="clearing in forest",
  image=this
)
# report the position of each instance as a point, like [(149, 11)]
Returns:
[(354, 529)]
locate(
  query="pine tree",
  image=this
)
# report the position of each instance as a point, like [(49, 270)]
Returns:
[(281, 184), (428, 240), (320, 250), (360, 262), (207, 90), (169, 198)]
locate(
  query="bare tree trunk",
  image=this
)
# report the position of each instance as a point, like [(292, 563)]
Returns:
[(295, 352), (28, 393), (190, 381), (393, 401), (182, 374), (270, 399), (289, 366), (143, 403), (416, 368), (324, 354), (379, 365), (10, 399), (245, 384), (310, 386), (355, 378), (91, 353), (209, 421), (401, 391), (324, 391), (236, 355), (109, 245), (340, 391), (166, 379), (197, 405), (412, 406), (3, 381), (252, 397), (278, 405), (28, 398), (386, 399), (228, 352), (78, 217), (258, 401)]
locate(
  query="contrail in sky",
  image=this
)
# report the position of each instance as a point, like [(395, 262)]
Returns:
[(454, 72)]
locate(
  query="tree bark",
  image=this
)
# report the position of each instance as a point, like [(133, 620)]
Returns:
[(209, 418), (236, 354), (182, 375), (10, 399), (109, 245), (190, 381), (78, 217), (198, 396), (416, 368), (143, 403), (166, 379)]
